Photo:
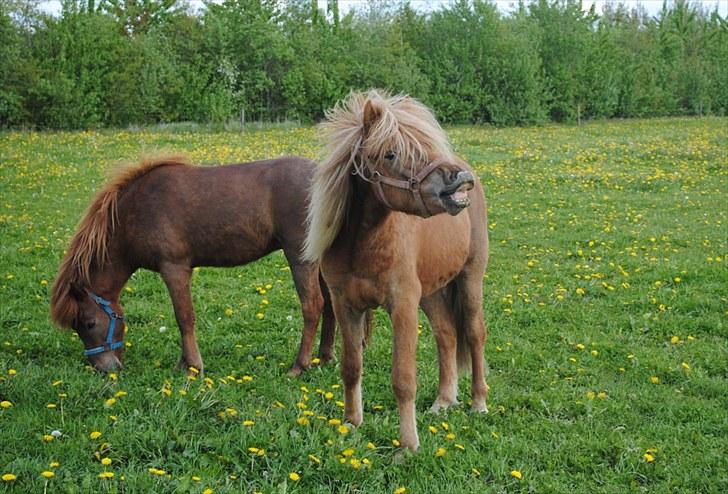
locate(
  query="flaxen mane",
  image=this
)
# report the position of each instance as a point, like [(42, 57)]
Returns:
[(405, 127), (90, 242)]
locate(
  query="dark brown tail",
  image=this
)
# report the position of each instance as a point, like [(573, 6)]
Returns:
[(463, 348)]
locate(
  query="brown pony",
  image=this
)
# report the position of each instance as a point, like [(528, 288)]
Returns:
[(376, 226), (168, 216)]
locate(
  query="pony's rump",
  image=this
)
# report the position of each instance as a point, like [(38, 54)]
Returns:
[(89, 245)]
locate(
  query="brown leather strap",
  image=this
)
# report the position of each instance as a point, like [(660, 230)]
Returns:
[(412, 185)]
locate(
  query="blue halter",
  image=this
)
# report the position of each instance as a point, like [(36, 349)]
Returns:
[(108, 345)]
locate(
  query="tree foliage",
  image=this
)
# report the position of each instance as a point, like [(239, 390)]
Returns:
[(123, 62)]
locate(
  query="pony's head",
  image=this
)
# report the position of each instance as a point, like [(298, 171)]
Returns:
[(97, 321), (395, 145)]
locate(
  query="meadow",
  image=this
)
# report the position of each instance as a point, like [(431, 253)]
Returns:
[(606, 301)]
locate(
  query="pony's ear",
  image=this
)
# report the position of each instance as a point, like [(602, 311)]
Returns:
[(372, 113)]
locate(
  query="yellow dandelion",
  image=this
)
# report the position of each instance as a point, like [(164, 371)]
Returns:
[(460, 447), (48, 438), (440, 452), (315, 459), (343, 429), (655, 380), (95, 435), (207, 491), (106, 461), (9, 477), (400, 490), (334, 422), (248, 423), (229, 312), (54, 464), (47, 474), (106, 475), (371, 446), (347, 452), (433, 429), (5, 404), (303, 421), (675, 340), (294, 476), (685, 366), (516, 474), (260, 315), (648, 457)]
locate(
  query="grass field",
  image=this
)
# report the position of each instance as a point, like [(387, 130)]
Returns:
[(606, 301)]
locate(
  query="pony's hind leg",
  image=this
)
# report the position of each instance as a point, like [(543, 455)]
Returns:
[(306, 279), (442, 319), (328, 326), (470, 289), (177, 278)]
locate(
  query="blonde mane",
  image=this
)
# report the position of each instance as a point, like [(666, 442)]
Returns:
[(89, 245), (403, 126)]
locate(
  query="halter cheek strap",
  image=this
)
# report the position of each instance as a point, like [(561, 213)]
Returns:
[(412, 185), (109, 345)]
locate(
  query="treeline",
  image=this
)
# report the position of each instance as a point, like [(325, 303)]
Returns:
[(122, 62)]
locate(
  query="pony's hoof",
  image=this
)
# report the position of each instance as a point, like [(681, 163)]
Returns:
[(191, 370), (326, 358), (441, 405), (295, 371), (479, 408), (402, 454)]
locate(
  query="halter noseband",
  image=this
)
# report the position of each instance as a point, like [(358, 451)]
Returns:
[(108, 345), (413, 184)]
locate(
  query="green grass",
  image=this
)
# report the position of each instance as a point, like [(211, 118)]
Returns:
[(607, 268)]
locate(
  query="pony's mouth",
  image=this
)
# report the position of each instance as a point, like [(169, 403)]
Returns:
[(455, 196)]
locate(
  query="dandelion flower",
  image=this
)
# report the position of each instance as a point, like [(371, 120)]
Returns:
[(440, 452), (106, 475), (207, 491), (95, 435), (54, 464), (343, 429), (294, 476), (400, 490), (5, 404), (9, 477), (47, 474), (516, 474), (648, 457), (106, 461), (248, 423), (655, 380), (48, 438)]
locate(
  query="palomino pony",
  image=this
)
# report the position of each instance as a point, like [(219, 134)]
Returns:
[(375, 224), (167, 216)]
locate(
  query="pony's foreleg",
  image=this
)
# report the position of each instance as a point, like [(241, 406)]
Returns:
[(471, 290), (442, 320), (352, 323), (306, 279), (404, 369), (177, 279)]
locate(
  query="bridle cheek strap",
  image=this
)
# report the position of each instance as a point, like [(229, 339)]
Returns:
[(412, 185), (109, 345)]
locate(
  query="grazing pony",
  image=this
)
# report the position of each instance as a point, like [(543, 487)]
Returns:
[(377, 228), (168, 216)]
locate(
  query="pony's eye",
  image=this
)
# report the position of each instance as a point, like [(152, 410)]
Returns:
[(390, 156)]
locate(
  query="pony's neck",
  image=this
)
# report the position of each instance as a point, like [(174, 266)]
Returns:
[(108, 281)]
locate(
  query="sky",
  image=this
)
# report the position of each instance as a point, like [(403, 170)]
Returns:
[(652, 6)]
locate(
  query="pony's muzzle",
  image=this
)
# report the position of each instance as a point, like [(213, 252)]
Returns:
[(107, 362), (454, 196)]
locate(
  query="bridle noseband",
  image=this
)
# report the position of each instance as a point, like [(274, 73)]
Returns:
[(108, 345), (412, 184)]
